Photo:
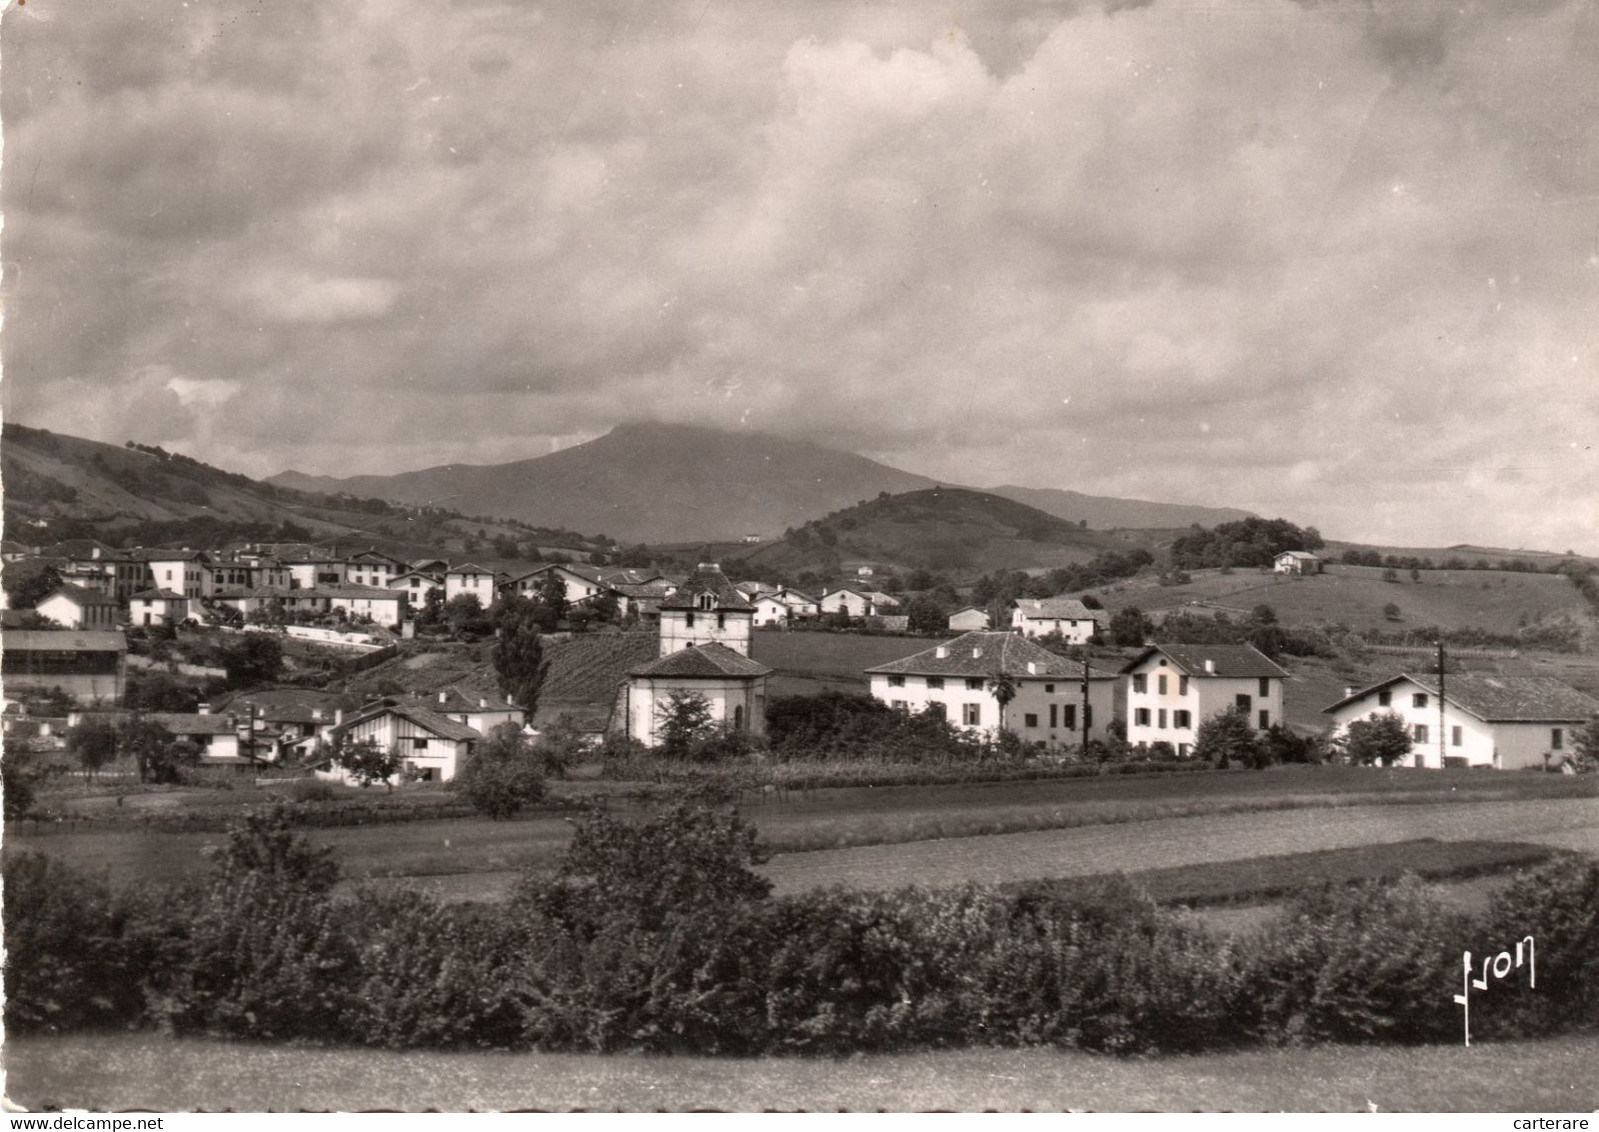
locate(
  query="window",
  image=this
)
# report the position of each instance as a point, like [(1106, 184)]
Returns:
[(971, 714), (1054, 715), (1243, 702), (721, 620), (1030, 720), (1049, 689), (1182, 719), (1182, 685), (1456, 734), (706, 601), (688, 620), (738, 717), (1140, 683), (1557, 738), (1419, 733), (1419, 700), (1265, 686), (1160, 684), (896, 681), (1141, 716), (1265, 719), (1068, 713), (935, 681), (1384, 699), (899, 705), (419, 743), (974, 683)]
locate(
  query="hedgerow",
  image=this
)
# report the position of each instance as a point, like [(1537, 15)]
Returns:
[(660, 936)]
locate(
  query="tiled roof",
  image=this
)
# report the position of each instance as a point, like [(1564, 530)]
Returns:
[(425, 718), (1055, 608), (287, 703), (643, 589), (193, 723), (66, 640), (708, 578), (1297, 554), (457, 701), (878, 597), (159, 555), (376, 593), (1229, 661), (989, 653), (1499, 699), (471, 568), (236, 592), (82, 595), (703, 660), (157, 595)]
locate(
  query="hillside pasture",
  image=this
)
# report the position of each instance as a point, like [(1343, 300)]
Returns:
[(122, 1072), (1494, 600), (810, 662)]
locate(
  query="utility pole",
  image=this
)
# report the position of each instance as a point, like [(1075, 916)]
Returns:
[(1441, 763)]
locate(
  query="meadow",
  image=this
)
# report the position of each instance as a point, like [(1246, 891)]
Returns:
[(112, 1072)]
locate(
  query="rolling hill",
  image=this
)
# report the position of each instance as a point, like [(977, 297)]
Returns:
[(943, 529), (1103, 512)]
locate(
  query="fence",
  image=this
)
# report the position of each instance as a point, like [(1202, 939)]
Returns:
[(1432, 650)]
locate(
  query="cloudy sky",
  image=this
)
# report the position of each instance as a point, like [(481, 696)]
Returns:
[(1334, 261)]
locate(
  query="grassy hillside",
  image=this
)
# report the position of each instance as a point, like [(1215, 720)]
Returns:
[(1103, 512), (944, 529), (1498, 601)]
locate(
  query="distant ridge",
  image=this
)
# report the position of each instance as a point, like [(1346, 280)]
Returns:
[(1105, 512)]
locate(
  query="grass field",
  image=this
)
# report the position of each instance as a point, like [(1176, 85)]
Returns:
[(1494, 600), (808, 663), (121, 1072)]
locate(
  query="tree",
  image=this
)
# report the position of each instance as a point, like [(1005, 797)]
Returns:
[(926, 614), (263, 842), (18, 773), (550, 600), (159, 691), (93, 743), (368, 761), (518, 654), (158, 756), (684, 720), (1392, 612), (1003, 689), (29, 590), (252, 659), (1585, 745), (1226, 737), (1380, 739), (502, 774), (466, 618), (1129, 627)]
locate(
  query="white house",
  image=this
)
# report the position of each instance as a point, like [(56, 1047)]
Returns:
[(372, 568), (74, 607), (416, 585), (581, 584), (481, 713), (1296, 562), (1172, 689), (470, 578), (183, 571), (858, 603), (703, 647), (783, 606), (432, 745), (157, 607), (958, 680), (968, 619), (1505, 722), (1039, 617), (382, 605)]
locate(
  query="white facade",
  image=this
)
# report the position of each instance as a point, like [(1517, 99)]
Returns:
[(1166, 704), (858, 604), (436, 758), (968, 620), (681, 628), (189, 576), (772, 610), (90, 610), (158, 610), (478, 582), (384, 606), (1047, 710), (1296, 562), (738, 702)]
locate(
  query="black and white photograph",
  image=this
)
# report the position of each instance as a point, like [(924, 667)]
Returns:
[(800, 556)]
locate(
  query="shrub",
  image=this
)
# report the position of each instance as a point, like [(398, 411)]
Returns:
[(1558, 905), (502, 775)]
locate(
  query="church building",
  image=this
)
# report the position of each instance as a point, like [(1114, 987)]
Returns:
[(704, 648)]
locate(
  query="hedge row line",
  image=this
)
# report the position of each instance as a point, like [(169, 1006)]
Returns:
[(660, 938)]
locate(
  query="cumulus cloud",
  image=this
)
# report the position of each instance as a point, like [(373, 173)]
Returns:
[(1333, 261)]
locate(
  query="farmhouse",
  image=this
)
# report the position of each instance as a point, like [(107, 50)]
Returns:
[(858, 603), (704, 649), (157, 607), (74, 607), (1172, 689), (959, 678), (432, 745), (581, 584), (1039, 617), (782, 606), (382, 605), (968, 620), (416, 585), (1479, 719), (1296, 562), (481, 713), (470, 578)]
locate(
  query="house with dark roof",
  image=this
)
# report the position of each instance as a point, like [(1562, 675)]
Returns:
[(1296, 562), (967, 619), (1040, 617), (857, 603), (187, 572), (1172, 689), (77, 607), (432, 746), (960, 679), (470, 578), (482, 713), (416, 585), (1475, 718), (583, 583), (704, 645), (157, 607)]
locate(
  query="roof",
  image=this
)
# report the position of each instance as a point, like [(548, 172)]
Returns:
[(376, 593), (587, 573), (880, 598), (82, 595), (969, 609), (703, 660), (288, 703), (1296, 554), (159, 555), (1498, 699), (1234, 662), (425, 718), (193, 723), (66, 640), (989, 653), (643, 589), (1054, 608), (707, 578), (457, 701), (470, 568), (157, 595), (231, 593)]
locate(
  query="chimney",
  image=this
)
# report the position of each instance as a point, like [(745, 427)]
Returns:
[(483, 701), (94, 552), (1210, 667), (316, 715), (976, 653), (338, 716), (203, 709), (1349, 690), (444, 697), (941, 652), (1032, 668)]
